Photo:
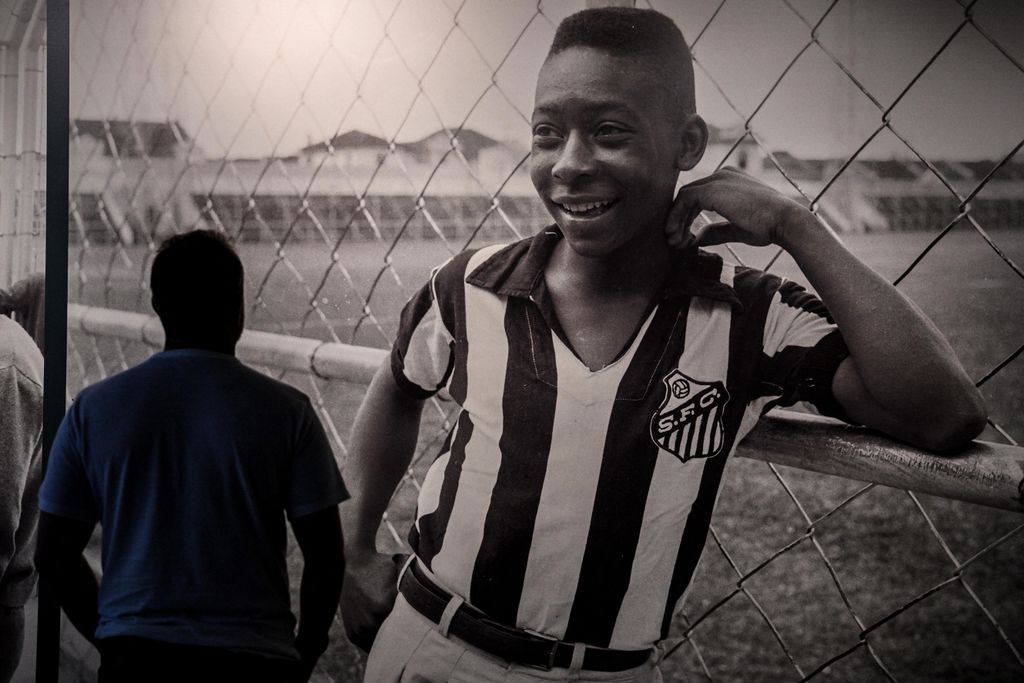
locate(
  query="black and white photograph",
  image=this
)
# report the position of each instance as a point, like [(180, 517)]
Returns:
[(511, 340)]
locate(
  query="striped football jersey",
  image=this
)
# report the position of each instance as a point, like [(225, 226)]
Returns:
[(576, 503)]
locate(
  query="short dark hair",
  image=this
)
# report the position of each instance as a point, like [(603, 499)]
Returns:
[(632, 32), (197, 283)]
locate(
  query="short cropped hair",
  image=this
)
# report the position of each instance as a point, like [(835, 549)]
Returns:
[(632, 32), (197, 283)]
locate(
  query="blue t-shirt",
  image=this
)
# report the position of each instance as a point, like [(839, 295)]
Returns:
[(190, 462)]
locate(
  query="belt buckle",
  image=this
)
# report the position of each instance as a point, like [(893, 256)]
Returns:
[(551, 659)]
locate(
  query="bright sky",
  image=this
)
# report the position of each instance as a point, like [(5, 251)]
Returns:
[(254, 77)]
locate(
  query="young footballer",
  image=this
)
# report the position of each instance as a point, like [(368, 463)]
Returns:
[(605, 370)]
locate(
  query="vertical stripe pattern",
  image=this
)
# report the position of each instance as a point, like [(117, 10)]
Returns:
[(436, 501), (528, 410), (576, 503), (621, 496), (435, 513), (485, 359), (570, 482), (674, 486), (745, 335)]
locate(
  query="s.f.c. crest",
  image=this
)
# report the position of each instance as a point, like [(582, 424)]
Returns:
[(688, 423)]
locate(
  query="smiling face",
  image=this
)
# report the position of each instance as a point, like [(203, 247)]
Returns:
[(607, 148)]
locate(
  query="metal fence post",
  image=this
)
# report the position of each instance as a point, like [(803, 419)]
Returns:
[(56, 351)]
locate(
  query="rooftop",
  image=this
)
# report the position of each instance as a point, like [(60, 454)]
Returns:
[(156, 139)]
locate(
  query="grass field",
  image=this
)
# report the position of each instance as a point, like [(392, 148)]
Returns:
[(881, 548)]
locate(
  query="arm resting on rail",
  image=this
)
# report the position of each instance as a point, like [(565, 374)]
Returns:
[(902, 376), (62, 564)]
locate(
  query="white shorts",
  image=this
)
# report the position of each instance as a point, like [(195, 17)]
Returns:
[(412, 649)]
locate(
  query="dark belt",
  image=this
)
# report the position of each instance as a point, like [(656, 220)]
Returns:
[(510, 644)]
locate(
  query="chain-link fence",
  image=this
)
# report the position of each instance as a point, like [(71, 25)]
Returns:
[(348, 147)]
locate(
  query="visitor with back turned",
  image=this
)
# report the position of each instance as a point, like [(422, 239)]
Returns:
[(605, 369), (191, 462)]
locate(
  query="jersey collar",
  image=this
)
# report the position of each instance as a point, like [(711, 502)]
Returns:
[(518, 271)]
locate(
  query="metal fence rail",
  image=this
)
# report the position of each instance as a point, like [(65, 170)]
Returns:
[(988, 474), (348, 147)]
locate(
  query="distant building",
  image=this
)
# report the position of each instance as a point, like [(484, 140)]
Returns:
[(141, 180), (908, 194), (133, 139), (130, 180), (361, 186), (471, 163), (729, 147)]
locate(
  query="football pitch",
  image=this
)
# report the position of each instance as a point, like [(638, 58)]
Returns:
[(880, 546), (961, 284)]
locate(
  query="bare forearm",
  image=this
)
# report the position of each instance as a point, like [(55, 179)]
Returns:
[(320, 541), (319, 594), (902, 360), (381, 448), (902, 377), (77, 589), (61, 562)]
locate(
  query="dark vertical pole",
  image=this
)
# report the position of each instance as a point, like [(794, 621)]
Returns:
[(55, 358)]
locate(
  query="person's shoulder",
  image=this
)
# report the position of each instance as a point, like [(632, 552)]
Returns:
[(753, 284), (18, 350), (454, 270), (762, 289), (513, 269), (113, 387), (262, 384), (161, 369), (478, 265)]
